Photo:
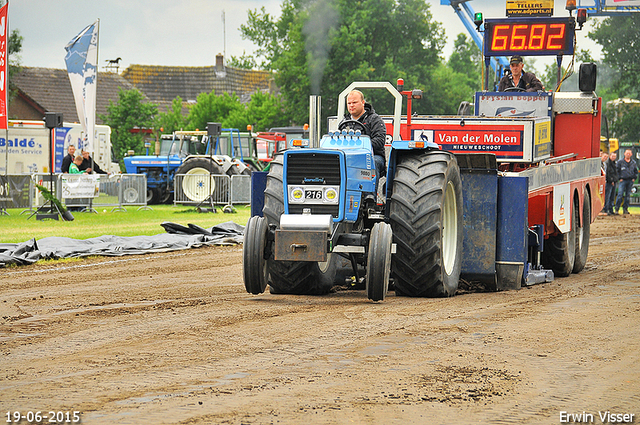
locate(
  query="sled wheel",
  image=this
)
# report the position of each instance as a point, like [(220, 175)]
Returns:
[(253, 255), (379, 261), (583, 234), (560, 250)]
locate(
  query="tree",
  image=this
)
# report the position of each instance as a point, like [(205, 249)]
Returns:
[(320, 47), (243, 62), (452, 87), (212, 108), (14, 48), (624, 119), (467, 59), (549, 77), (173, 119), (130, 111), (619, 37), (266, 110)]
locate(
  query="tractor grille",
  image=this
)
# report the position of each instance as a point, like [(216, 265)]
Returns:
[(315, 209), (317, 169), (302, 168)]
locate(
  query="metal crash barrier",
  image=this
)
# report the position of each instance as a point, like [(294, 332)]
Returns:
[(201, 189), (212, 189), (240, 189), (117, 192), (79, 192), (131, 190)]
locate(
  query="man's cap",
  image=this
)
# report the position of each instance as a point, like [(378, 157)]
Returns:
[(516, 59)]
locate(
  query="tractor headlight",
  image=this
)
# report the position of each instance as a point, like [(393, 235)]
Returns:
[(297, 194), (331, 195)]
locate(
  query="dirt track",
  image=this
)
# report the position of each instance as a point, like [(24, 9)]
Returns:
[(174, 338)]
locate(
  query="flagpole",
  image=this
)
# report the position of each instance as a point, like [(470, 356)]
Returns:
[(5, 119), (95, 99)]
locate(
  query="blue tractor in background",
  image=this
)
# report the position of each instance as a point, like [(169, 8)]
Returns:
[(200, 154), (321, 206)]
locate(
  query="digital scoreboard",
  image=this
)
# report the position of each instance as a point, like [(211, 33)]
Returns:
[(537, 36)]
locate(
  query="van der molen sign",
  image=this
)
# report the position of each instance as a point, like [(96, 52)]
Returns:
[(529, 8)]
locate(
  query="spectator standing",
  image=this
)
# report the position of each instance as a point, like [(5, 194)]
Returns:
[(611, 182), (89, 164), (68, 159), (627, 173)]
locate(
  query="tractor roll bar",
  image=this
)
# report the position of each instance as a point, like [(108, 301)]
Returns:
[(375, 85)]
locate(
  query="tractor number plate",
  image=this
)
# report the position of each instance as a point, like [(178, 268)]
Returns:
[(313, 194), (297, 245)]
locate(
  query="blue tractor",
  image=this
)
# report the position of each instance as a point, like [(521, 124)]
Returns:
[(198, 154), (321, 207)]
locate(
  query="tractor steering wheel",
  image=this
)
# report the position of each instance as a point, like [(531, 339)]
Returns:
[(352, 125), (519, 89)]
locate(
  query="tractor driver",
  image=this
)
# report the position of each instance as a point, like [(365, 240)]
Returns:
[(518, 79), (374, 127)]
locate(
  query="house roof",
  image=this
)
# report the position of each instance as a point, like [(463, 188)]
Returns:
[(50, 89), (165, 83)]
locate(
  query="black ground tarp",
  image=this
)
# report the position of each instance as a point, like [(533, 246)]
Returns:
[(177, 237)]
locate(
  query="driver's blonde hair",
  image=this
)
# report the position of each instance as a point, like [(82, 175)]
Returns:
[(358, 92)]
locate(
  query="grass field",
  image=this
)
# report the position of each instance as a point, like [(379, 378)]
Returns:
[(19, 228)]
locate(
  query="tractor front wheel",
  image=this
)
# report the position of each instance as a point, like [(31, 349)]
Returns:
[(379, 261), (254, 261)]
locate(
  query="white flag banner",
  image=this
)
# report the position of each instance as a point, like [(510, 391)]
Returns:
[(82, 66), (4, 60)]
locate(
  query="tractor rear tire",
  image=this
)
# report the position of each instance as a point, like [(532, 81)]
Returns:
[(560, 250), (293, 277), (200, 169), (583, 234), (153, 196), (379, 261), (254, 263), (425, 213)]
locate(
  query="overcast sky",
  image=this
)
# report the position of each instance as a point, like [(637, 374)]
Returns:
[(179, 32)]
